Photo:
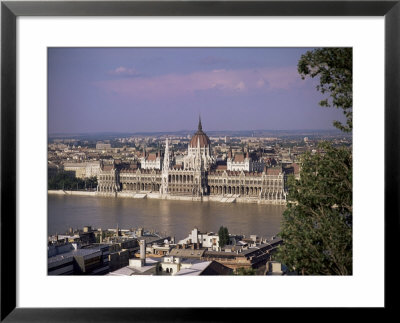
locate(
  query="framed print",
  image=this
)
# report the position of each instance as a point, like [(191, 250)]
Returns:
[(140, 54)]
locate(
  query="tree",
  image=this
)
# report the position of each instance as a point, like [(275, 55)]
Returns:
[(67, 181), (223, 235), (317, 223), (91, 182), (334, 68)]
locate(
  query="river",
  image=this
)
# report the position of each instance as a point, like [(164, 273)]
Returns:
[(174, 218)]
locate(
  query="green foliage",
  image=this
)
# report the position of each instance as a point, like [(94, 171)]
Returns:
[(245, 271), (317, 224), (223, 235), (67, 181), (334, 67), (91, 182)]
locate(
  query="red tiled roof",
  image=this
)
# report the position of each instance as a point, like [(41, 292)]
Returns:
[(296, 168), (248, 174), (201, 137), (152, 157), (274, 171), (239, 158), (132, 169)]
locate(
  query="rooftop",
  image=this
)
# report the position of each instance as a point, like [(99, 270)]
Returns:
[(72, 253), (187, 253), (195, 270), (129, 270)]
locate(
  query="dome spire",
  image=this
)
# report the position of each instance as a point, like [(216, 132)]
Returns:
[(200, 128)]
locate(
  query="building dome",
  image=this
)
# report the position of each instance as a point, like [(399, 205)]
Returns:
[(201, 137)]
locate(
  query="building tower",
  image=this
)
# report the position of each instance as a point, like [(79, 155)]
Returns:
[(200, 137), (197, 160), (165, 170)]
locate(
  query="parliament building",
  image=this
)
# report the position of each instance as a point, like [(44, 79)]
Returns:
[(199, 177)]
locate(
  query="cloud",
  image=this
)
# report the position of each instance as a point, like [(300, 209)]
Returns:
[(124, 71), (227, 82)]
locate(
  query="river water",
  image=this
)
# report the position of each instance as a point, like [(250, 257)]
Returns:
[(174, 218)]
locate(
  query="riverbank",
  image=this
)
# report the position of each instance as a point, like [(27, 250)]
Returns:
[(65, 192), (229, 198)]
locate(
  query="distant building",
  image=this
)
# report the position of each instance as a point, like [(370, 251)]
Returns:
[(198, 176), (206, 240), (199, 151), (243, 162), (151, 161), (83, 169), (102, 146)]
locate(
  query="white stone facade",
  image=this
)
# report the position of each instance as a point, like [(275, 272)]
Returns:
[(151, 162), (83, 170), (242, 180), (245, 164)]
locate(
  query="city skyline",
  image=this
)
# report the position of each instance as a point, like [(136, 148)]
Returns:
[(136, 90)]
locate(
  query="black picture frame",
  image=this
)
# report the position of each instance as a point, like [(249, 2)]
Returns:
[(10, 10)]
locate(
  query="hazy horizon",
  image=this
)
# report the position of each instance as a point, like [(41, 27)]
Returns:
[(194, 130), (137, 90)]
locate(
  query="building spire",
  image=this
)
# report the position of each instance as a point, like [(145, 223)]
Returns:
[(166, 155), (165, 169), (200, 128)]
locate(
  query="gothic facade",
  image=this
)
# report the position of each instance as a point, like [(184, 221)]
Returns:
[(198, 177)]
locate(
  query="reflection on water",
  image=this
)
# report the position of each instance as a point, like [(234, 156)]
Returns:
[(175, 218)]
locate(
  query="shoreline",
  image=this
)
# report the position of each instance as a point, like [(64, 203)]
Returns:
[(229, 198)]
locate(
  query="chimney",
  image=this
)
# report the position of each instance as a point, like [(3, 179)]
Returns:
[(142, 244)]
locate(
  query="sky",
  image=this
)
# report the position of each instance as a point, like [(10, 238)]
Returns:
[(166, 89)]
